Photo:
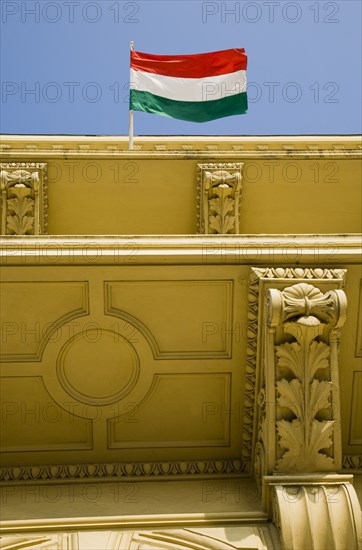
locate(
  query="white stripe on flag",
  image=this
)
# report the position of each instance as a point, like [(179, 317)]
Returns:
[(190, 89)]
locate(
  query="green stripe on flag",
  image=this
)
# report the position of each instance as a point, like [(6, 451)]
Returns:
[(194, 111)]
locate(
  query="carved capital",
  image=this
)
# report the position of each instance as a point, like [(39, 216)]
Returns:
[(24, 198), (303, 302), (219, 190)]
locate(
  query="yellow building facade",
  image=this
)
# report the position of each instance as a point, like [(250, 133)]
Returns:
[(181, 342)]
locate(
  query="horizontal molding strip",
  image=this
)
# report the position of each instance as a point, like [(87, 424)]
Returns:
[(284, 250), (151, 471), (139, 521), (190, 154)]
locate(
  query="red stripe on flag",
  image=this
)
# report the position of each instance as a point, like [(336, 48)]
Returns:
[(191, 66)]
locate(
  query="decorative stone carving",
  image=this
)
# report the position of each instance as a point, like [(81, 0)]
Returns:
[(300, 426), (298, 438), (163, 470), (353, 463), (219, 189), (316, 515), (254, 413), (24, 199), (302, 301), (306, 439)]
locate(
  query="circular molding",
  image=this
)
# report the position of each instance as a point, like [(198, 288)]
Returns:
[(98, 366)]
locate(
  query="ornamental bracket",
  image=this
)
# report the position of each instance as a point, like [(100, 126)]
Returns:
[(298, 446)]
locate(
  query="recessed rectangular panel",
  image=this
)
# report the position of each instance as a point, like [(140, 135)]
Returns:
[(180, 410), (182, 318), (31, 312), (33, 421)]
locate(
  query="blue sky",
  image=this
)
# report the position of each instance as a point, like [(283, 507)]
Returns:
[(65, 63)]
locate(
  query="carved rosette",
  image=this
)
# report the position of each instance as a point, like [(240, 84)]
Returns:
[(24, 199), (218, 202), (300, 425)]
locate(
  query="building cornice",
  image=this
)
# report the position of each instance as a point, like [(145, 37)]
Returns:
[(180, 147), (131, 250)]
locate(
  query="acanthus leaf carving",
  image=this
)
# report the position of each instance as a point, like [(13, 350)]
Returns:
[(308, 439), (299, 427), (289, 357), (290, 438), (254, 417), (302, 455), (219, 188), (318, 358), (21, 206), (24, 198), (290, 396), (320, 395), (320, 439)]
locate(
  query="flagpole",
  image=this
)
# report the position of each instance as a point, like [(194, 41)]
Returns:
[(130, 129)]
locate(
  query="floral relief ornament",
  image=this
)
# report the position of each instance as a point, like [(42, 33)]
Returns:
[(24, 198), (219, 188), (306, 418)]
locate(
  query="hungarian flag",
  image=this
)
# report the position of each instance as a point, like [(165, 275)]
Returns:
[(198, 87)]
